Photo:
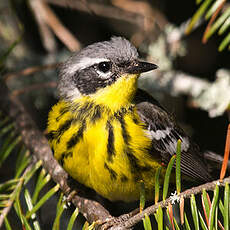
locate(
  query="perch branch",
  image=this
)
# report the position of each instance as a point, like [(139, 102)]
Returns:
[(36, 142), (127, 223)]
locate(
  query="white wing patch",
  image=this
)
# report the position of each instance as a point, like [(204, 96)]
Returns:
[(159, 134), (169, 141), (173, 144)]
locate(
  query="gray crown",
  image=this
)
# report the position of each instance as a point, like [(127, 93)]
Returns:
[(117, 50)]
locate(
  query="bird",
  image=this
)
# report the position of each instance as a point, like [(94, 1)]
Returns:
[(108, 134)]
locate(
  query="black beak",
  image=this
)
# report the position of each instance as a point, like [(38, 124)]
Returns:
[(141, 67)]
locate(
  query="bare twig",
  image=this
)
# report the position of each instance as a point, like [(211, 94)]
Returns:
[(50, 84), (30, 70), (47, 37), (150, 15), (46, 15), (102, 10)]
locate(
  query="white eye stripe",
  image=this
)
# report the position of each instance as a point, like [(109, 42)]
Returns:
[(84, 63), (159, 134)]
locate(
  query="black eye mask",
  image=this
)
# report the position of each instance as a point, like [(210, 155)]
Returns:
[(88, 80)]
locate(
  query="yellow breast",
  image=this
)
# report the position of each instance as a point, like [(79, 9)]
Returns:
[(106, 151)]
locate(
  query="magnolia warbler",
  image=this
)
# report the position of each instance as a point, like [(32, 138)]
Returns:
[(108, 134)]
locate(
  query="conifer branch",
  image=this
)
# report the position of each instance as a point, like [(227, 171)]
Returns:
[(127, 221), (7, 209), (36, 142)]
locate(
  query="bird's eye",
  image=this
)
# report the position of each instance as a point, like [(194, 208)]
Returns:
[(104, 66)]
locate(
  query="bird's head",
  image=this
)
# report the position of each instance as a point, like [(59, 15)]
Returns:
[(105, 72)]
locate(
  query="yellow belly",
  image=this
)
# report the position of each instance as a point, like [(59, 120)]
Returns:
[(111, 155)]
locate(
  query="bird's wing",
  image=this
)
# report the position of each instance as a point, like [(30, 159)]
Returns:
[(165, 133)]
